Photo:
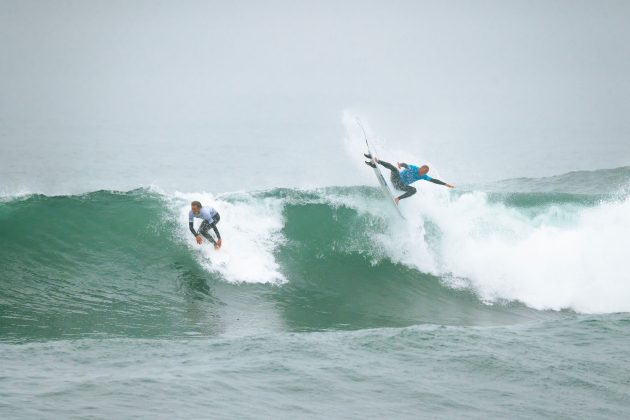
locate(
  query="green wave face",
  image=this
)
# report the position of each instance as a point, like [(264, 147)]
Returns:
[(109, 263), (99, 263)]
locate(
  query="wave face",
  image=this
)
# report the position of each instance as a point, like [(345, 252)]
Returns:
[(125, 263)]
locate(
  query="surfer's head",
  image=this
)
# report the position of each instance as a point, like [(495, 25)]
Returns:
[(195, 206), (423, 170)]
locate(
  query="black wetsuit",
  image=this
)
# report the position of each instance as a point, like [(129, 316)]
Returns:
[(205, 226)]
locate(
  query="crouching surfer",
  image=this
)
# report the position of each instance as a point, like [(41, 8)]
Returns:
[(402, 180), (210, 219)]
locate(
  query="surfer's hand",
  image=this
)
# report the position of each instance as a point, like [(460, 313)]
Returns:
[(219, 243), (396, 200), (450, 186), (198, 239), (217, 246)]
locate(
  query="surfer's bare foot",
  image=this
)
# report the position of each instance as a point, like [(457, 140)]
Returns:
[(396, 200), (218, 244)]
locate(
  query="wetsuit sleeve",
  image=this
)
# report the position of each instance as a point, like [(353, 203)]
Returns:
[(191, 226), (404, 165), (436, 181)]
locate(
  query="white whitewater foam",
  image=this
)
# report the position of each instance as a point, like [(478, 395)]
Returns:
[(556, 257), (563, 257), (250, 230), (583, 266)]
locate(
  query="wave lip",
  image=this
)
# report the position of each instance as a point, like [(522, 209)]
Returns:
[(596, 182)]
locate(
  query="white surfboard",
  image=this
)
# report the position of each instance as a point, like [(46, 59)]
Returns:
[(387, 192)]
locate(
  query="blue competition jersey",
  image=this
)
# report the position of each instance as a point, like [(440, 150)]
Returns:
[(410, 175), (206, 213)]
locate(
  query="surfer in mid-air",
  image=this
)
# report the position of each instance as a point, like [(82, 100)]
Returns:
[(210, 219), (402, 180)]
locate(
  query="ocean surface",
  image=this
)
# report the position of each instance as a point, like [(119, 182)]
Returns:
[(503, 300)]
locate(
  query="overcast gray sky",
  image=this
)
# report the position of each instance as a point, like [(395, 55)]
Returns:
[(496, 84)]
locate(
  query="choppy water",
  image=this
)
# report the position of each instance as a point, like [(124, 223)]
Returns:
[(321, 304)]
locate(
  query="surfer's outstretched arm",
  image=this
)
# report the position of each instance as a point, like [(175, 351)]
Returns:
[(437, 181)]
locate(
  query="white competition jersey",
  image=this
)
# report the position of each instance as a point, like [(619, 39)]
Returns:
[(206, 213)]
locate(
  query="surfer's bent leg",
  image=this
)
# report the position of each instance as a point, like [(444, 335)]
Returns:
[(388, 165), (398, 184), (203, 230), (409, 192), (394, 175), (396, 181), (216, 219)]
